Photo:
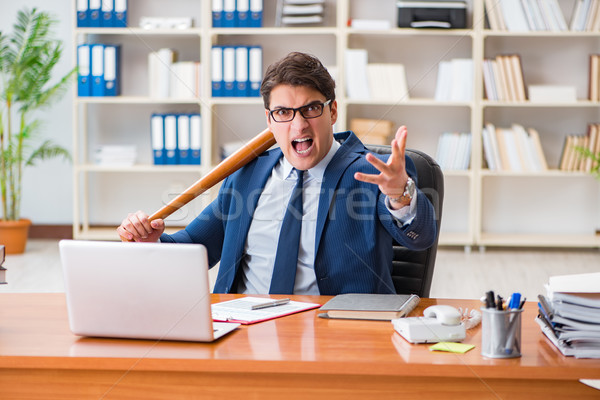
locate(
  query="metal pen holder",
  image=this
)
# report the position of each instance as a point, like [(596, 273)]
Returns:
[(501, 333)]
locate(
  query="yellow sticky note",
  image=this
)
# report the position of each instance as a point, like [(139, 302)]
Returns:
[(452, 347)]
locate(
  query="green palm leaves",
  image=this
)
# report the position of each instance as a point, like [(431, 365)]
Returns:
[(27, 60)]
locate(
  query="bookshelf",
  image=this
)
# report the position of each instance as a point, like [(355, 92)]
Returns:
[(482, 207)]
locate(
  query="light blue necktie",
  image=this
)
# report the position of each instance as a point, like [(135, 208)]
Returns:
[(286, 259)]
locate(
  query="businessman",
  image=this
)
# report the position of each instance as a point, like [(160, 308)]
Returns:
[(318, 214)]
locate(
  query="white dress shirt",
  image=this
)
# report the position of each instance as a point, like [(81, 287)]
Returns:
[(263, 234)]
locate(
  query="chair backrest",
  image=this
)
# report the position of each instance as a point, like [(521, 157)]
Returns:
[(413, 270)]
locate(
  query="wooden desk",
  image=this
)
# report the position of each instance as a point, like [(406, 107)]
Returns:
[(299, 356)]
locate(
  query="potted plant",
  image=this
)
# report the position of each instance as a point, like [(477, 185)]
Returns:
[(27, 58)]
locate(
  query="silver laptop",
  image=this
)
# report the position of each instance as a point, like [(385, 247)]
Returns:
[(139, 290)]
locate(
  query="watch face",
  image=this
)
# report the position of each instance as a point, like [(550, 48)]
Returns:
[(410, 187)]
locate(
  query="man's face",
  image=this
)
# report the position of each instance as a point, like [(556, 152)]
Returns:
[(304, 142)]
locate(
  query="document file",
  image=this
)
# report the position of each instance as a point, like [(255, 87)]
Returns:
[(84, 84), (241, 71), (183, 139), (255, 70), (196, 139), (120, 14), (217, 71), (95, 11), (97, 70), (171, 140), (112, 73), (108, 8), (157, 138), (82, 13)]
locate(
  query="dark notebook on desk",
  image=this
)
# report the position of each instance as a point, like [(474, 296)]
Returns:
[(369, 306)]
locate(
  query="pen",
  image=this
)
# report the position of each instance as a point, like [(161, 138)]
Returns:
[(489, 299), (511, 334), (514, 301), (499, 303), (270, 304)]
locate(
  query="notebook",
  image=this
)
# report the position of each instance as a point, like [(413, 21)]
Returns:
[(139, 290), (369, 306)]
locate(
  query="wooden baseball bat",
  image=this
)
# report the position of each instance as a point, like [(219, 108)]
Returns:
[(228, 166)]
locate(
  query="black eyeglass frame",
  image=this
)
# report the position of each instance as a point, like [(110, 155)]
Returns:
[(299, 109)]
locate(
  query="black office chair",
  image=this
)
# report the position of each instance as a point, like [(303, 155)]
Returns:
[(413, 270)]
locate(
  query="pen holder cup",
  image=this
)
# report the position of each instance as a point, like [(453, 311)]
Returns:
[(500, 333)]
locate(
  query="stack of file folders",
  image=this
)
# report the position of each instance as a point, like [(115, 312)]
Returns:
[(98, 69), (237, 14), (236, 71), (570, 314), (176, 139), (101, 13)]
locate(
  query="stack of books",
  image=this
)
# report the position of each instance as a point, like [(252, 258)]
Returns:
[(455, 80), (513, 149), (384, 82), (586, 16), (454, 151), (525, 15), (372, 131), (503, 78), (577, 151), (170, 79), (569, 315), (299, 12)]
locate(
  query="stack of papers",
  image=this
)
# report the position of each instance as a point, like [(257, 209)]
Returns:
[(299, 12), (116, 156), (570, 314)]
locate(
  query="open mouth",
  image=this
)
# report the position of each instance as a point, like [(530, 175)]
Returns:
[(303, 145)]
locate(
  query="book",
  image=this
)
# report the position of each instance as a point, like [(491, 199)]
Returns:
[(594, 78), (369, 306), (241, 310), (372, 131)]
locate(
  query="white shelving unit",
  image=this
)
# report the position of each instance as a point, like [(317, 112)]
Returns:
[(482, 208)]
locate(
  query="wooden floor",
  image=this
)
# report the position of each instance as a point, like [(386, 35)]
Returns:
[(458, 273)]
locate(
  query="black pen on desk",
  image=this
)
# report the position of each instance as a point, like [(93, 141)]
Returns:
[(273, 303)]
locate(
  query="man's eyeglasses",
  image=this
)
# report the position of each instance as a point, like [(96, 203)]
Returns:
[(313, 110)]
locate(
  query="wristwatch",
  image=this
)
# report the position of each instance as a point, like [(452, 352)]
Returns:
[(409, 192)]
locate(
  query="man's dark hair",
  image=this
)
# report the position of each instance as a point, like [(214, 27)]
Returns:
[(297, 69)]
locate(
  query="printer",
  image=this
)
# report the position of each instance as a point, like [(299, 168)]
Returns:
[(448, 14)]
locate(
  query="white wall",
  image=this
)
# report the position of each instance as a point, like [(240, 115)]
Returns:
[(47, 188)]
